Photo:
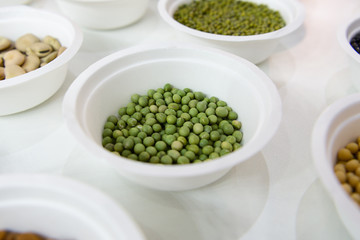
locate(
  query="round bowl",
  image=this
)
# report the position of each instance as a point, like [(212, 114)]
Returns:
[(345, 33), (28, 90), (338, 125), (103, 14), (60, 208), (255, 48), (105, 86)]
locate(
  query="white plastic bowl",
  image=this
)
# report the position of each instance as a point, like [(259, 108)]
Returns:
[(28, 90), (108, 84), (61, 208), (103, 14), (338, 125), (255, 48), (345, 33)]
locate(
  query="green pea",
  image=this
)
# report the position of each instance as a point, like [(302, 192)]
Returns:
[(198, 128), (207, 150), (156, 127), (107, 132), (134, 131), (154, 159), (201, 106), (156, 136), (221, 112), (183, 160), (176, 145), (194, 139), (118, 147), (148, 141), (184, 131), (160, 146), (170, 129), (138, 148), (166, 160), (171, 119), (128, 143)]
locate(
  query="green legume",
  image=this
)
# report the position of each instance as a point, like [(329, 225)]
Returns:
[(172, 126)]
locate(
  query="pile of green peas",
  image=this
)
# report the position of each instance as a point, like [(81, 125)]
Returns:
[(229, 17), (173, 126)]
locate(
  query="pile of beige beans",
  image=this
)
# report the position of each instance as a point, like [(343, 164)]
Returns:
[(347, 169), (26, 54)]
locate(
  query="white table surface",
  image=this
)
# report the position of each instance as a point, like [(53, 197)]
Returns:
[(274, 195)]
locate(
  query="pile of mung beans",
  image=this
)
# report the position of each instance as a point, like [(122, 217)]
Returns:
[(11, 235), (229, 17), (173, 126), (27, 53), (347, 169)]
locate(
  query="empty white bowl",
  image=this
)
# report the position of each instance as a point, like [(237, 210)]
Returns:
[(103, 14), (345, 33), (60, 208), (107, 85), (255, 48), (28, 90), (338, 125)]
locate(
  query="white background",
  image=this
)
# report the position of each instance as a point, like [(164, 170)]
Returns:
[(274, 195)]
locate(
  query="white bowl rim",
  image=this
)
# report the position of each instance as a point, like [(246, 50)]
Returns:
[(171, 171), (343, 38), (64, 58), (287, 29), (75, 188), (319, 153)]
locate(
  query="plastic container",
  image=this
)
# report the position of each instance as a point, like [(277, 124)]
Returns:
[(28, 90), (60, 208), (255, 48), (338, 125), (107, 85), (103, 14)]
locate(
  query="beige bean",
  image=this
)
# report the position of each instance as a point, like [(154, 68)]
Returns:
[(1, 62), (14, 57), (339, 167), (352, 165), (26, 41), (353, 147), (31, 63), (347, 187), (344, 154), (13, 71), (4, 43), (341, 176), (61, 50), (41, 49), (2, 73), (49, 57), (53, 42)]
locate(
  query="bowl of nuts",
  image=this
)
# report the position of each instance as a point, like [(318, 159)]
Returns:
[(335, 150), (250, 29), (172, 117), (34, 56), (49, 207)]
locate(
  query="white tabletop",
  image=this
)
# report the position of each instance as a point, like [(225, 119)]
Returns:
[(274, 195)]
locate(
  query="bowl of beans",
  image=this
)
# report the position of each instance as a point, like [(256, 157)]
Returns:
[(104, 14), (44, 207), (349, 40), (250, 29), (34, 56), (335, 150), (172, 117)]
